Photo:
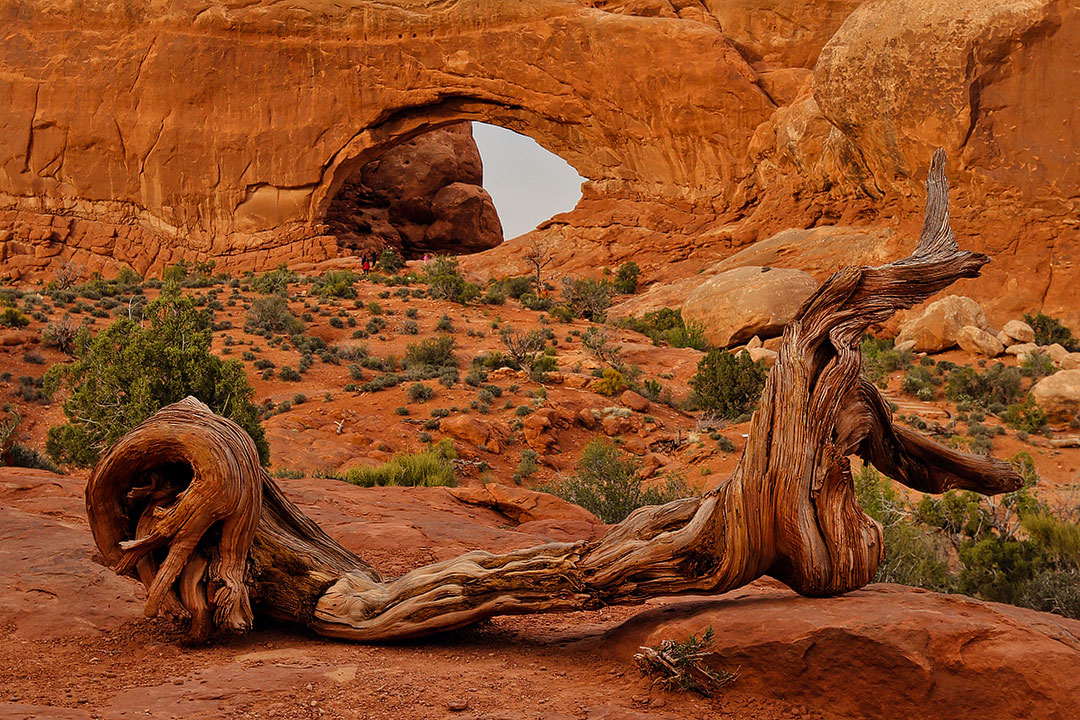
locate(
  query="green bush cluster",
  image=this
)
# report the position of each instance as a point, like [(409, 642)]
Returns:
[(666, 326), (879, 358), (275, 282), (445, 281), (607, 484), (1050, 330), (626, 277), (728, 385), (129, 371), (434, 467), (586, 297), (335, 284), (1017, 550), (391, 261)]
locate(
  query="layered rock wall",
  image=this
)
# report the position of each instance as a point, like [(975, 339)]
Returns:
[(226, 129)]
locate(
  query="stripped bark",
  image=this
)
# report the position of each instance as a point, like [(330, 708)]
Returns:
[(182, 504)]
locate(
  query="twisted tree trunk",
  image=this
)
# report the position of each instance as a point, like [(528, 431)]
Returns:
[(182, 503)]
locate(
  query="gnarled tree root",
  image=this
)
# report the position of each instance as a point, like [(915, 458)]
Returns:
[(182, 504)]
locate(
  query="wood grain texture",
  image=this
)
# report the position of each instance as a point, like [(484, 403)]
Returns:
[(182, 504)]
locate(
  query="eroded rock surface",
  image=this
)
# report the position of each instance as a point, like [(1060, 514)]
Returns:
[(423, 196)]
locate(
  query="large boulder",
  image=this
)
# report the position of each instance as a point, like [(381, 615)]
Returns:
[(979, 341), (1059, 395), (736, 305), (1019, 331), (884, 652), (938, 328), (422, 196)]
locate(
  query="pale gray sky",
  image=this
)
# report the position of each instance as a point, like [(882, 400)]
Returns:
[(527, 183)]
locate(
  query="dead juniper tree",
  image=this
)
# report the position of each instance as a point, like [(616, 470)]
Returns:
[(182, 503)]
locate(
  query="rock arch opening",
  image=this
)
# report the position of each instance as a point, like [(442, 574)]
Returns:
[(457, 188), (528, 183)]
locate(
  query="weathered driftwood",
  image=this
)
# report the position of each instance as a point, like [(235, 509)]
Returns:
[(182, 504)]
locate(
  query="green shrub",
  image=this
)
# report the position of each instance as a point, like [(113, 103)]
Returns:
[(445, 281), (879, 358), (11, 317), (666, 325), (289, 374), (535, 302), (526, 467), (1050, 330), (728, 385), (435, 352), (419, 392), (626, 279), (128, 372), (588, 298), (1037, 365), (1015, 549), (612, 383), (1026, 416), (271, 314), (607, 484), (921, 382), (335, 284), (1000, 385), (275, 282), (433, 467), (515, 287), (390, 261)]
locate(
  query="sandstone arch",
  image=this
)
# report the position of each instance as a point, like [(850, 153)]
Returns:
[(241, 164), (182, 504)]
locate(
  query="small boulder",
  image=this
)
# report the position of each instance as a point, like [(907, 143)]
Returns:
[(635, 402), (939, 326), (1071, 361), (1057, 353), (736, 305), (471, 431), (905, 347), (1019, 331), (1059, 395), (1019, 349), (1005, 339), (760, 353), (979, 341)]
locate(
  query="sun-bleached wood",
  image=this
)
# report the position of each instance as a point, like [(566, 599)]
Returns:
[(182, 504)]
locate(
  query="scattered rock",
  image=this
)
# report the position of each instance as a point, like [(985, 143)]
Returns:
[(736, 305), (979, 341), (1057, 353), (1019, 331), (469, 430), (938, 328), (760, 353), (635, 402), (1019, 349), (1059, 395), (587, 417)]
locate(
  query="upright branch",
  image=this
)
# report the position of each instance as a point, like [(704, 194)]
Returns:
[(182, 504)]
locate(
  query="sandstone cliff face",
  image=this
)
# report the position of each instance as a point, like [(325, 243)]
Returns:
[(423, 196), (700, 126), (240, 154)]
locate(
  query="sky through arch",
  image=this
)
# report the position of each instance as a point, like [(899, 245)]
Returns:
[(527, 183)]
